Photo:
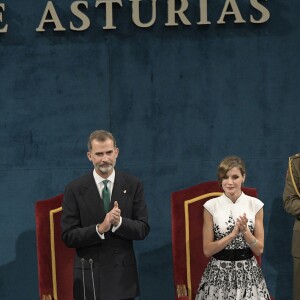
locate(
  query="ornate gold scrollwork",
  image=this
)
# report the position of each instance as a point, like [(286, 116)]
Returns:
[(181, 290)]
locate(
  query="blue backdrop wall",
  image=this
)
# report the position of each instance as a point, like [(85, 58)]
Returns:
[(177, 98)]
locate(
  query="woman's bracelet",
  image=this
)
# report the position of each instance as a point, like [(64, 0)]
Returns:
[(252, 244)]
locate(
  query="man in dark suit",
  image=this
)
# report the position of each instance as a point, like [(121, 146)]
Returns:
[(291, 201), (103, 233)]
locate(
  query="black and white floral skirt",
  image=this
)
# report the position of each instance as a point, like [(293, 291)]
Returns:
[(237, 280)]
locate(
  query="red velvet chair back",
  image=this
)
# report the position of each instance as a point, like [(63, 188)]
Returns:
[(189, 261), (55, 260)]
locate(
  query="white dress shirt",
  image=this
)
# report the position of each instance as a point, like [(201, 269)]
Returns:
[(100, 186)]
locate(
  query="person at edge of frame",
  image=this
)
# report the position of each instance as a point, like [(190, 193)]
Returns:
[(291, 204)]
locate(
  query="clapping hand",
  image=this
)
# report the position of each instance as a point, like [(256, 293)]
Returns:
[(111, 218), (242, 222), (115, 214)]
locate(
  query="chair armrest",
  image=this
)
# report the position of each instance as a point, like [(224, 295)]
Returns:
[(47, 297), (181, 292)]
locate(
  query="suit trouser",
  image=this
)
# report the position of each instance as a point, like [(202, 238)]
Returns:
[(296, 285)]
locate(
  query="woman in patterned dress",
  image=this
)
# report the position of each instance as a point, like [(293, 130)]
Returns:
[(232, 232)]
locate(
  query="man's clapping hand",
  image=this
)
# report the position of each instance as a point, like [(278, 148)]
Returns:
[(111, 218), (115, 214)]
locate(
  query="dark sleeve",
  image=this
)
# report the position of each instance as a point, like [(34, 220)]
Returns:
[(77, 232)]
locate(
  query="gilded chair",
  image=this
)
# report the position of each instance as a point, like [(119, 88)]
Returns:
[(189, 261), (55, 260)]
